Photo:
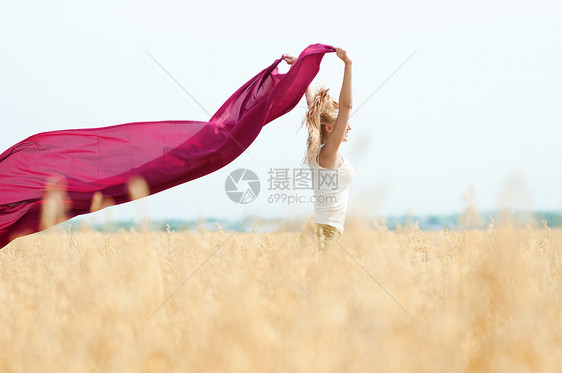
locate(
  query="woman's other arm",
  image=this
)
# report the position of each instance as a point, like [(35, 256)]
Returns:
[(309, 95)]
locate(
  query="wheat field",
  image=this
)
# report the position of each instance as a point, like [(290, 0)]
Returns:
[(405, 300)]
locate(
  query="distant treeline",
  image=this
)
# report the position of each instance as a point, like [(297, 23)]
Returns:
[(455, 221), (426, 222)]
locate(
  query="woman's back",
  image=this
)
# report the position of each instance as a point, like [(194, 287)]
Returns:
[(331, 192)]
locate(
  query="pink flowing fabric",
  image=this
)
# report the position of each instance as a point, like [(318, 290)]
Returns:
[(87, 162)]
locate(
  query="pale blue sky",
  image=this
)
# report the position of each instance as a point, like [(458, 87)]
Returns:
[(478, 104)]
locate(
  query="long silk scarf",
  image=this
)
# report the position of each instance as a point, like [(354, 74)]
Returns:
[(83, 170)]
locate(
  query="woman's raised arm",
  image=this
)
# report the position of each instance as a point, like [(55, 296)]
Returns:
[(345, 104)]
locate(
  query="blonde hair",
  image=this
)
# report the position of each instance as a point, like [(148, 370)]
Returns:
[(322, 111)]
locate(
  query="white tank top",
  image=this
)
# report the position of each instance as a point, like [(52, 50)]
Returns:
[(331, 192)]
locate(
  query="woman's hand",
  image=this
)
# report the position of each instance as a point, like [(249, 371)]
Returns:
[(289, 59), (342, 54)]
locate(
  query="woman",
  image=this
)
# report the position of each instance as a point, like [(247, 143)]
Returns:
[(327, 124)]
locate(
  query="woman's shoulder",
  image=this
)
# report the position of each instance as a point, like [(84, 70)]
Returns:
[(339, 160)]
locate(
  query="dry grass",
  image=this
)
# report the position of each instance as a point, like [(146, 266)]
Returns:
[(483, 300)]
